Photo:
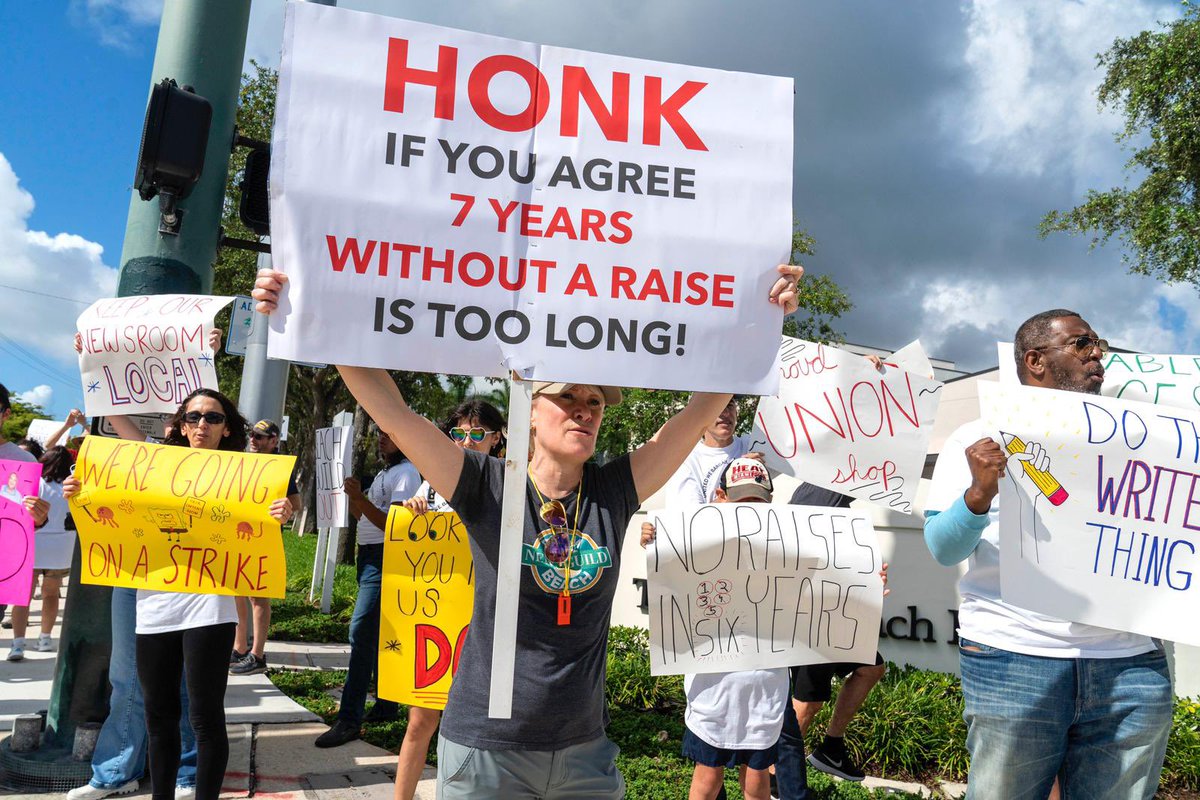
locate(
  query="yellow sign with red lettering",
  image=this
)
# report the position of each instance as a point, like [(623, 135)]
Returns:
[(427, 596), (179, 519)]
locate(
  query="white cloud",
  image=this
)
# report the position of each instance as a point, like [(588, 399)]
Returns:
[(116, 21), (40, 395), (1028, 103), (37, 328)]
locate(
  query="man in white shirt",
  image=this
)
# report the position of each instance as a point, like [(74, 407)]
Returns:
[(695, 482), (1044, 697), (392, 486)]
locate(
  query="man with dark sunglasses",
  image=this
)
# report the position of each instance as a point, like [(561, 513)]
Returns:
[(249, 658), (1044, 698)]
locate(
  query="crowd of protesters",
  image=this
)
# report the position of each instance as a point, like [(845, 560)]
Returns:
[(1050, 705)]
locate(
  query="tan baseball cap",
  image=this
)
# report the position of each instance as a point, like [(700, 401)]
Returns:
[(612, 395)]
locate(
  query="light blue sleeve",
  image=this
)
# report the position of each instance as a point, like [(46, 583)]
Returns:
[(952, 535)]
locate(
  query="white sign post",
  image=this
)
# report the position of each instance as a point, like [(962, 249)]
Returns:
[(334, 454), (737, 586), (145, 354), (842, 424), (1097, 519)]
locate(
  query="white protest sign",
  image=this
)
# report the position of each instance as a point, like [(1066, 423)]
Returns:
[(735, 586), (449, 200), (911, 358), (842, 424), (1105, 532), (42, 429), (333, 461), (145, 354), (1167, 380)]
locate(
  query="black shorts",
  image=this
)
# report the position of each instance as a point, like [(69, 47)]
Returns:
[(703, 753), (814, 683)]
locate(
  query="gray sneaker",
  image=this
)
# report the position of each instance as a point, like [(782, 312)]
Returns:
[(249, 665), (17, 653)]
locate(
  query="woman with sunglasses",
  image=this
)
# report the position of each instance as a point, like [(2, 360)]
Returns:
[(554, 746), (188, 636), (474, 425)]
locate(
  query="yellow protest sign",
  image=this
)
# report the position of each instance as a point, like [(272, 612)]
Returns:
[(179, 519), (427, 595)]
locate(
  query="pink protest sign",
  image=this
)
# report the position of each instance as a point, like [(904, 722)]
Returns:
[(18, 479)]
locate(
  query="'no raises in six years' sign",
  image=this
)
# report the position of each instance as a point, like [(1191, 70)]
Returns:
[(450, 200)]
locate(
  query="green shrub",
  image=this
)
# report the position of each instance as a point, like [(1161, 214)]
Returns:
[(629, 681)]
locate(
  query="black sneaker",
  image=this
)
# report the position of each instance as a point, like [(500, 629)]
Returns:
[(250, 664), (338, 735), (235, 656), (831, 757), (382, 712)]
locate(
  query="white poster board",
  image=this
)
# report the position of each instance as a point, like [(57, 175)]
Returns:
[(1168, 380), (420, 230), (332, 465), (842, 424), (144, 354), (736, 586), (1105, 532), (42, 429)]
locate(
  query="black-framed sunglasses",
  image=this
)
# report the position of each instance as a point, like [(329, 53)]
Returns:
[(1081, 345), (476, 435), (211, 417)]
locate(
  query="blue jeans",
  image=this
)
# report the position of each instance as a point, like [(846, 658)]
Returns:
[(364, 637), (120, 754), (1099, 724), (791, 769)]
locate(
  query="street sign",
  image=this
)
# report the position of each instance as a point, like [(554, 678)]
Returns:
[(241, 321), (150, 424)]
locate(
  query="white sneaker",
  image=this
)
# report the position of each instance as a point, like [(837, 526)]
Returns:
[(89, 792), (17, 653), (185, 792), (44, 645)]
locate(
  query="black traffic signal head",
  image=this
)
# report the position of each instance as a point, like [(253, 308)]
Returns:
[(174, 139), (254, 208)]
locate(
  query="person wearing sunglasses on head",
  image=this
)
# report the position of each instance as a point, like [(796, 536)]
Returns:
[(1044, 697), (247, 658), (475, 425), (395, 484), (554, 745), (186, 637)]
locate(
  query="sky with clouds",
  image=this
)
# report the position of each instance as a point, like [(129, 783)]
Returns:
[(930, 140)]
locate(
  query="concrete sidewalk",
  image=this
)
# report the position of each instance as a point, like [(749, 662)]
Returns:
[(271, 751)]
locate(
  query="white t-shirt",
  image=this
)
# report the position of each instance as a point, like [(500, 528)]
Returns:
[(394, 485), (697, 479), (53, 543), (983, 617), (436, 501), (738, 710), (163, 612)]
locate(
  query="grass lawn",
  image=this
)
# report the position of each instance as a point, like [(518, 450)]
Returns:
[(293, 619)]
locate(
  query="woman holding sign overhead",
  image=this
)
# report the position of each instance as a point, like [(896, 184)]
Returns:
[(188, 636), (554, 745)]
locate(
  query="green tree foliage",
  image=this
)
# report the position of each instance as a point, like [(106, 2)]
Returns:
[(1153, 79), (645, 410), (17, 424)]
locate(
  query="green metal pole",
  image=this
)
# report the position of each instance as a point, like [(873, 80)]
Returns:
[(201, 43)]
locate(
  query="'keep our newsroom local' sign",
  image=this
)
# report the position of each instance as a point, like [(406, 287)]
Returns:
[(449, 201)]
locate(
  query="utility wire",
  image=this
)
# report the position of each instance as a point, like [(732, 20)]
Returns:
[(44, 294)]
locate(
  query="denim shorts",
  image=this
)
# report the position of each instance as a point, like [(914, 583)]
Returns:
[(706, 755)]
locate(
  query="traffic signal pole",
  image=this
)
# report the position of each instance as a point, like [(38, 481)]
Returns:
[(201, 44)]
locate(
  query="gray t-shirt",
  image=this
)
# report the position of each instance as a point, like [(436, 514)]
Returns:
[(558, 689)]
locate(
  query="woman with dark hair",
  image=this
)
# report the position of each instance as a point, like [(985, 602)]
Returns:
[(53, 545), (554, 745), (474, 425), (188, 636)]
